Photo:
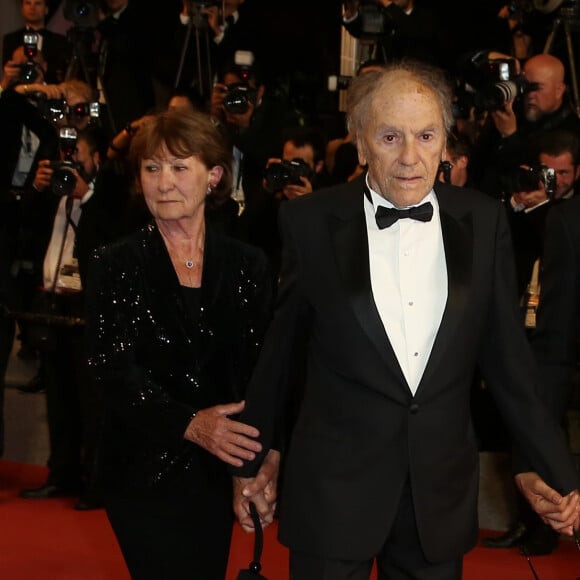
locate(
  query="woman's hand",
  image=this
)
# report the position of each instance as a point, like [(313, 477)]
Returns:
[(229, 440)]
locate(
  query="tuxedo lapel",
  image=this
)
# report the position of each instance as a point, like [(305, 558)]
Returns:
[(457, 231), (350, 240)]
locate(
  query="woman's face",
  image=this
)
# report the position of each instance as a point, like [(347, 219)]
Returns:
[(175, 188)]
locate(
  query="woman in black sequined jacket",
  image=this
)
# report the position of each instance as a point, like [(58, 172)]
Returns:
[(175, 314)]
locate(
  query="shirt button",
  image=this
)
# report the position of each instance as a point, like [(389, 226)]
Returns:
[(414, 409), (411, 303), (415, 354)]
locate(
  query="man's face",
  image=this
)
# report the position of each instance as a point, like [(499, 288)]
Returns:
[(566, 172), (403, 141), (291, 151), (34, 12), (457, 174), (84, 157), (548, 97)]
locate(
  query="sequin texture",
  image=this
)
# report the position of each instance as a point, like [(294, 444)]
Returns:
[(157, 364)]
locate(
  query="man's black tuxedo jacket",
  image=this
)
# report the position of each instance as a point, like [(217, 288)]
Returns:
[(55, 50), (360, 432)]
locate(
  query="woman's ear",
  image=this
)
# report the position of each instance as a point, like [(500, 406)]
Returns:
[(215, 175)]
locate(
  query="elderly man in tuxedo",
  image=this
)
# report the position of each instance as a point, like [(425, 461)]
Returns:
[(400, 286)]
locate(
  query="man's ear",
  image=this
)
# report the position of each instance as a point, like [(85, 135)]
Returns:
[(461, 161)]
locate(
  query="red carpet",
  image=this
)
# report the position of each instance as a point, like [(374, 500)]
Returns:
[(48, 539)]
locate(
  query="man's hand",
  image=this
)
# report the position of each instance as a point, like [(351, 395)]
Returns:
[(229, 440), (562, 513), (530, 199), (214, 19), (43, 175), (505, 120), (81, 186), (11, 74), (292, 191), (262, 490)]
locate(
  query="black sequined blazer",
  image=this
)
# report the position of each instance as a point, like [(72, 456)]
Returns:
[(156, 365)]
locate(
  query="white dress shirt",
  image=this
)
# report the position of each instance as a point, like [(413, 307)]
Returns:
[(68, 278), (409, 283)]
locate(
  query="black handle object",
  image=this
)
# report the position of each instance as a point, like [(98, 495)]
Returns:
[(253, 572)]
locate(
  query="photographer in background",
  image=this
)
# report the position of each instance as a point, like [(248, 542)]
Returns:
[(299, 171), (400, 28), (225, 26), (252, 117), (560, 150), (87, 211), (455, 166), (30, 116), (536, 191), (52, 46), (22, 70), (543, 106)]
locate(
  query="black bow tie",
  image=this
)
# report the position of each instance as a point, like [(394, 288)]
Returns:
[(387, 216)]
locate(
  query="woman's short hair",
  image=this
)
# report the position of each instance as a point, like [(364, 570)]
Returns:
[(185, 134)]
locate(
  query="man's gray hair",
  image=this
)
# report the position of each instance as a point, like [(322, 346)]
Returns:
[(364, 87)]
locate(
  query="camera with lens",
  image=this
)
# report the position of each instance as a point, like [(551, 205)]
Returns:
[(489, 85), (82, 13), (280, 174), (52, 109), (529, 179), (57, 109), (29, 69), (63, 180), (238, 98), (92, 110)]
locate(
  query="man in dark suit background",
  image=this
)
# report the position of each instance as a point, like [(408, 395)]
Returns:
[(403, 287), (53, 46)]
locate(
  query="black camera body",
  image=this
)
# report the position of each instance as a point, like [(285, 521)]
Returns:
[(238, 98), (495, 96), (489, 85), (29, 70), (63, 180), (529, 179), (279, 175), (57, 109)]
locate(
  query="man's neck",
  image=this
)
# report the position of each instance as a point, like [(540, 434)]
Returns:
[(35, 25)]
